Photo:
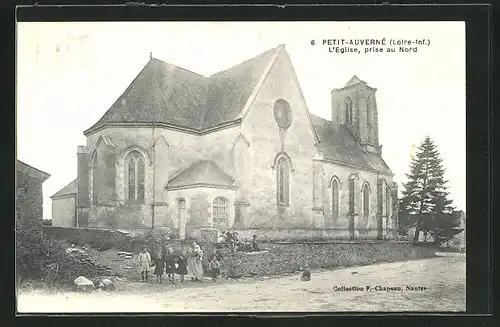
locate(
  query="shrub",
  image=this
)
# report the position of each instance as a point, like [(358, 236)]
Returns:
[(37, 254)]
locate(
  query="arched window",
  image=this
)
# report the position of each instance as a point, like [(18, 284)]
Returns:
[(348, 111), (368, 112), (335, 199), (95, 178), (283, 171), (220, 211), (366, 201), (135, 180)]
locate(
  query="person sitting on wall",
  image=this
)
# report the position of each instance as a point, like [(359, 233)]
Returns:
[(222, 241), (255, 246)]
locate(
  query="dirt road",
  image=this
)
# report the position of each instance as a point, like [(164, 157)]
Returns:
[(438, 285)]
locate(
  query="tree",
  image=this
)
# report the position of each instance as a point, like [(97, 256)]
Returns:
[(446, 226), (403, 219), (425, 196)]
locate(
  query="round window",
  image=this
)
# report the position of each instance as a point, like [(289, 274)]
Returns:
[(282, 113)]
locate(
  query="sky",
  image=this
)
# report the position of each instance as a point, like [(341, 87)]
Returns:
[(69, 74)]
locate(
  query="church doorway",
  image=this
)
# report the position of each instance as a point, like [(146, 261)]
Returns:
[(182, 217)]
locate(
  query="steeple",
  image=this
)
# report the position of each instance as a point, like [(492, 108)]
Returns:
[(151, 56), (355, 107), (354, 80)]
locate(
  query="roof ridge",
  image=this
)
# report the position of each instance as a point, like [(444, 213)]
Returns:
[(127, 89), (246, 61), (178, 67), (62, 188), (272, 51)]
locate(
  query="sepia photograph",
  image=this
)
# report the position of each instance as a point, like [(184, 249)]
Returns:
[(240, 166)]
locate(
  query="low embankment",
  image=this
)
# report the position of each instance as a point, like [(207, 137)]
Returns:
[(289, 258)]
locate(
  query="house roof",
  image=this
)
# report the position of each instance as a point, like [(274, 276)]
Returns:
[(167, 94), (31, 171), (337, 143), (203, 172), (69, 189)]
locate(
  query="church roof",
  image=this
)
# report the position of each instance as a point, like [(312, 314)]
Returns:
[(204, 173), (167, 94), (69, 189), (337, 143)]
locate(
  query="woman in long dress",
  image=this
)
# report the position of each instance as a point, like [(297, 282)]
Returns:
[(195, 258)]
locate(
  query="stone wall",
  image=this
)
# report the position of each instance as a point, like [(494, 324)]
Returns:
[(29, 197), (288, 258)]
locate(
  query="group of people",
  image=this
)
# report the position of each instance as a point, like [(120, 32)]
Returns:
[(168, 262), (231, 240)]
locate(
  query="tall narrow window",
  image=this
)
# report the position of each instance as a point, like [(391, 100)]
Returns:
[(388, 201), (135, 183), (368, 112), (282, 181), (220, 211), (348, 111), (95, 178), (140, 178), (351, 196), (366, 201), (335, 199)]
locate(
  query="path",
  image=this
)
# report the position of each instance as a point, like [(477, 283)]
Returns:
[(443, 279)]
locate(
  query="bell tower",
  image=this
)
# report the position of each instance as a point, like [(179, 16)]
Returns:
[(354, 106)]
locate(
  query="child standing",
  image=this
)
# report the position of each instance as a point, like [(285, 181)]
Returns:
[(181, 261), (144, 263), (170, 265), (214, 266), (306, 274), (159, 266)]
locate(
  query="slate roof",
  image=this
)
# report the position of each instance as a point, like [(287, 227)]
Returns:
[(202, 172), (69, 189), (338, 143), (164, 93)]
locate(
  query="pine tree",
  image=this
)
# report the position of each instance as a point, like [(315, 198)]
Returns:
[(425, 196)]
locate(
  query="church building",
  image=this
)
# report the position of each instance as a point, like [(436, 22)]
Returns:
[(237, 150)]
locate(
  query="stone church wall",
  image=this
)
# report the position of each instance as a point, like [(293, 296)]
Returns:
[(265, 144), (175, 152), (365, 228)]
